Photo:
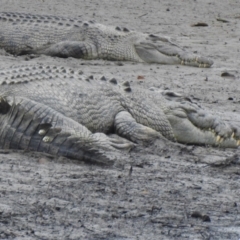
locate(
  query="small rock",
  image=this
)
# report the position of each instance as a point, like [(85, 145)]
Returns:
[(42, 161), (227, 74), (196, 215), (206, 218), (200, 24)]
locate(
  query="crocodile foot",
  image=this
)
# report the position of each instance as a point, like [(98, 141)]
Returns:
[(113, 142)]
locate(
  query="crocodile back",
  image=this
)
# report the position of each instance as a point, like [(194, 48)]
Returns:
[(22, 33), (91, 102)]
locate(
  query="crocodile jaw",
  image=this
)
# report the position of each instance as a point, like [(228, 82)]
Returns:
[(186, 132)]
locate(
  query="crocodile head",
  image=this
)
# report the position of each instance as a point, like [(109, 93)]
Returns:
[(156, 49), (193, 125), (201, 128)]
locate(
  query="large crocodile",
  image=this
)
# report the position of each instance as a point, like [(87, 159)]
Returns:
[(71, 37), (54, 109)]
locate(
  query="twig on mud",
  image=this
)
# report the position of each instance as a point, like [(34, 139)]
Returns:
[(87, 228), (130, 171), (143, 15)]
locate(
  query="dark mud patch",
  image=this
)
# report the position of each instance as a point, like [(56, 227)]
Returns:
[(152, 194)]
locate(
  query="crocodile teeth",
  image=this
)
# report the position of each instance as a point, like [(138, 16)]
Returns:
[(233, 134), (182, 62), (238, 142), (219, 139)]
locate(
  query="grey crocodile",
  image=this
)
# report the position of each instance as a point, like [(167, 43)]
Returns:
[(71, 37), (54, 109)]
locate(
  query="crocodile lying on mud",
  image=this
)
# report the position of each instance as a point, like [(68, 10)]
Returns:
[(71, 37), (54, 109)]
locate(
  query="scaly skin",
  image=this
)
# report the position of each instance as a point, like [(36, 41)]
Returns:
[(65, 37), (55, 110)]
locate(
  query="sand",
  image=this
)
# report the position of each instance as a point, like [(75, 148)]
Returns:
[(162, 192)]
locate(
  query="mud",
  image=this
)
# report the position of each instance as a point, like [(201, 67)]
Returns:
[(162, 191)]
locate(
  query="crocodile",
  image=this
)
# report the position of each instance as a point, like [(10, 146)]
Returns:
[(53, 109), (72, 37)]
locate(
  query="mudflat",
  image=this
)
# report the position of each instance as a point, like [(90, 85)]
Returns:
[(162, 191)]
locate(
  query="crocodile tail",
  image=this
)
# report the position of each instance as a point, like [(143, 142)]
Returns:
[(21, 129)]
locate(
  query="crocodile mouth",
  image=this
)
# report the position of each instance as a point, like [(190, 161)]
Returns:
[(197, 129), (222, 141), (200, 62), (206, 138)]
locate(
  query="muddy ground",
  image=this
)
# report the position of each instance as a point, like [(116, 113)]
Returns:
[(160, 192)]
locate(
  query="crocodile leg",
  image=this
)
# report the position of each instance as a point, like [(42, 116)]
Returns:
[(126, 126), (75, 49)]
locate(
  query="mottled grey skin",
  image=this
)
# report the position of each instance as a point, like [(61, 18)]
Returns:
[(65, 37), (60, 111)]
